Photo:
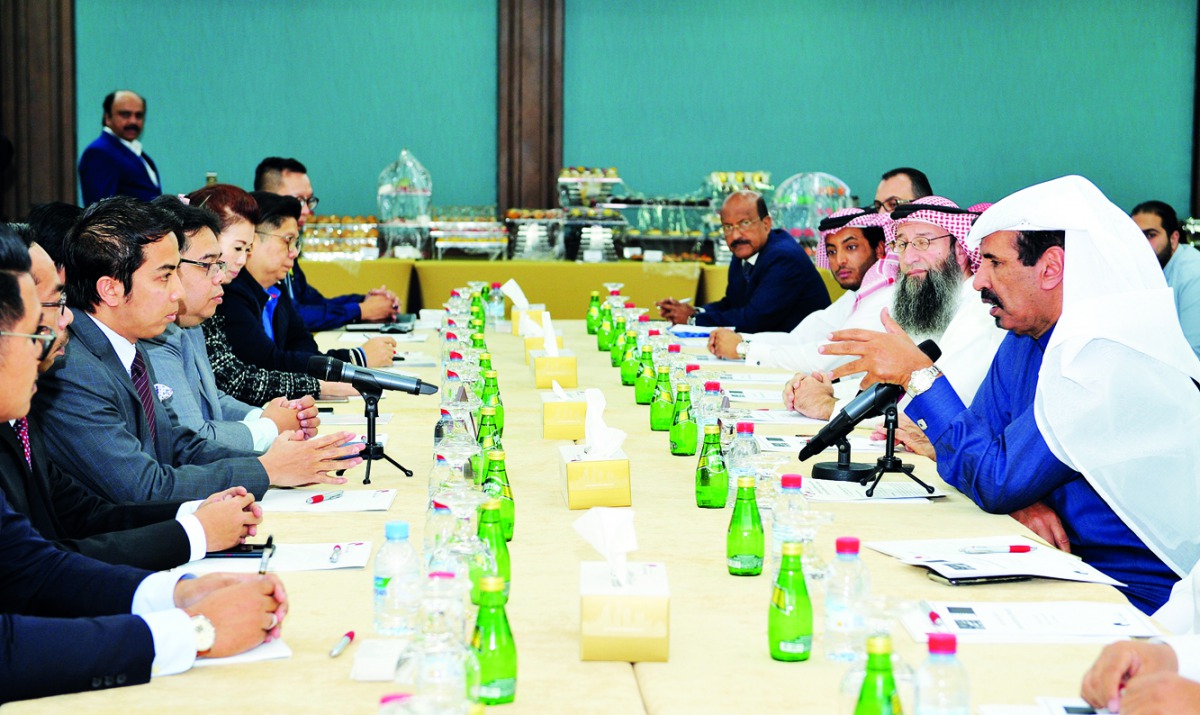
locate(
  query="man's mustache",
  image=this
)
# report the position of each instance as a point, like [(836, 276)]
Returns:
[(987, 296)]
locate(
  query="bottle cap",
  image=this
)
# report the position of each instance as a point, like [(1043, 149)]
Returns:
[(491, 504), (879, 645), (451, 375), (614, 292), (439, 575), (497, 285), (791, 481), (486, 410), (631, 333), (643, 318), (691, 367), (455, 355), (663, 369), (595, 294), (489, 374), (942, 644), (745, 428), (674, 348), (477, 336), (647, 349), (712, 429), (712, 386), (455, 294), (745, 482), (395, 698), (497, 455), (491, 584), (630, 304), (793, 548), (653, 333), (396, 530), (485, 356), (450, 336), (847, 545), (683, 387)]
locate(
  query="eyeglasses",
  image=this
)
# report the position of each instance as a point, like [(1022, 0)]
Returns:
[(743, 225), (61, 304), (293, 242), (920, 243), (210, 269), (889, 204), (45, 335), (311, 202)]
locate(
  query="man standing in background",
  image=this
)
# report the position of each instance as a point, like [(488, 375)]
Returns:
[(1180, 263), (114, 164)]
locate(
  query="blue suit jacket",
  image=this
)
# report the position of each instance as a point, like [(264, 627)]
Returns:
[(96, 431), (64, 618), (318, 312), (109, 168), (784, 288)]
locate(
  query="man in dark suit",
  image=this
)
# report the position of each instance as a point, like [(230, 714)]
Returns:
[(114, 164), (69, 623), (155, 535), (772, 283), (101, 408)]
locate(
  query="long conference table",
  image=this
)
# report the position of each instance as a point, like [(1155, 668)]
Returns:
[(718, 652)]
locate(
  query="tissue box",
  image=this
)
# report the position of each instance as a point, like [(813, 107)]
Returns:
[(563, 419), (533, 311), (532, 344), (564, 368), (594, 482), (629, 623)]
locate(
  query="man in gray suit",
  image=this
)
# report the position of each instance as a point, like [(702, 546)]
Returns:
[(102, 406), (180, 358)]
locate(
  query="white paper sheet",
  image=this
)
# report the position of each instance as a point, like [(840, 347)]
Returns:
[(1066, 706), (1032, 622), (274, 650), (770, 378), (375, 659), (774, 397), (412, 359), (360, 338), (859, 443), (709, 357), (289, 557), (783, 417), (826, 490), (296, 500), (328, 420), (685, 331), (1011, 710)]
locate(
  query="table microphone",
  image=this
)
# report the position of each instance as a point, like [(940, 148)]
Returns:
[(871, 402), (362, 378)]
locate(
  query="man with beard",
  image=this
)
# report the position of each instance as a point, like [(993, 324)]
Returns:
[(933, 300), (1180, 263), (852, 246)]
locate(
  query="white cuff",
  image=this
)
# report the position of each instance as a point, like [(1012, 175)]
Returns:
[(1187, 651), (188, 507), (197, 539), (756, 353), (155, 593), (174, 641), (262, 430)]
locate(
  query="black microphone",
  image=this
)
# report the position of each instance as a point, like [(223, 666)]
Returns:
[(871, 402), (366, 379)]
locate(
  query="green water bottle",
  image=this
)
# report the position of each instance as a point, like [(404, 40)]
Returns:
[(491, 398), (477, 310), (604, 335), (712, 476), (487, 438), (491, 532), (492, 641), (790, 620), (477, 341), (643, 384), (485, 361), (593, 313), (496, 485), (878, 695), (629, 363), (662, 406), (617, 352), (683, 423), (744, 540)]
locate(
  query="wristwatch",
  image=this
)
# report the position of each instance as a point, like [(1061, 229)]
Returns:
[(205, 634), (921, 380), (741, 349)]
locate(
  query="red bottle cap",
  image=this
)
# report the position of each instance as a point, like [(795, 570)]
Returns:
[(454, 355), (653, 333), (451, 336), (847, 545), (745, 428), (942, 644), (455, 294), (673, 348), (495, 285), (691, 367), (630, 304), (643, 318), (614, 292), (440, 574), (451, 374), (791, 481), (712, 386)]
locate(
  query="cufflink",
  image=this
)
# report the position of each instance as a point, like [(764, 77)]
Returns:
[(921, 424)]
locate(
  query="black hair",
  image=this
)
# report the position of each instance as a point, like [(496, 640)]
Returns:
[(874, 235), (920, 182), (275, 208), (268, 172), (14, 260), (50, 224), (1163, 210), (1032, 244), (108, 240), (188, 219), (112, 96)]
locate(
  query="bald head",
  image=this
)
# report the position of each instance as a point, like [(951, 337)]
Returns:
[(125, 114)]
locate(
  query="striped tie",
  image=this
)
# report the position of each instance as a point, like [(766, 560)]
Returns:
[(141, 382)]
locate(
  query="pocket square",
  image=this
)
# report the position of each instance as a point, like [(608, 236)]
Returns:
[(164, 392)]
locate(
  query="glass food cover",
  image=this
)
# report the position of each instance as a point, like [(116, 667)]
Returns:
[(803, 200), (405, 194)]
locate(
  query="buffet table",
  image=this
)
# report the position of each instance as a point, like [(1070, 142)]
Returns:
[(718, 652)]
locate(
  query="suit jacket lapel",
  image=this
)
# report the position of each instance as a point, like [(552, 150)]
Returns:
[(89, 336)]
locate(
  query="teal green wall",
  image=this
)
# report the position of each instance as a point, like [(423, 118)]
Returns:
[(985, 96), (342, 86)]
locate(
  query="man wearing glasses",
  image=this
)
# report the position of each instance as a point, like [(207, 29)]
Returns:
[(181, 361), (288, 177), (898, 187), (772, 283)]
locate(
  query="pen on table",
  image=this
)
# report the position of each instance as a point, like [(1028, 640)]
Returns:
[(318, 498), (1014, 549), (268, 551), (341, 644), (336, 555), (934, 618), (685, 300)]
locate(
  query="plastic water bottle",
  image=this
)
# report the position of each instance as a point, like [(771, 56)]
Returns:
[(942, 687), (785, 512), (740, 460), (495, 306), (439, 528), (845, 593), (397, 583)]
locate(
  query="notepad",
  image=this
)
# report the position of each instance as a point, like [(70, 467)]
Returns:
[(275, 650), (782, 417), (830, 491), (1031, 622), (296, 500), (754, 377), (290, 557), (859, 444), (741, 395), (376, 659), (1068, 706)]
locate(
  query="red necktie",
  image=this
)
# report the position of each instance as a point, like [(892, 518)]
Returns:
[(141, 382), (22, 428)]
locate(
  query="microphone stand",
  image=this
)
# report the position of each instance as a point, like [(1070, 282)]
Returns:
[(843, 470), (889, 463), (373, 450)]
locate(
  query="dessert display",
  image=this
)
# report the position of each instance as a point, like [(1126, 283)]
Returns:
[(330, 237), (405, 194), (468, 230), (803, 200)]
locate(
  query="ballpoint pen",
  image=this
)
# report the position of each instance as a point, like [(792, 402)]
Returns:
[(934, 618), (1014, 549), (336, 555), (318, 498), (268, 551), (341, 644)]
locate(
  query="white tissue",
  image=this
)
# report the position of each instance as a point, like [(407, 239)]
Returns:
[(602, 441), (610, 532), (528, 328), (559, 391), (515, 294), (550, 337)]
